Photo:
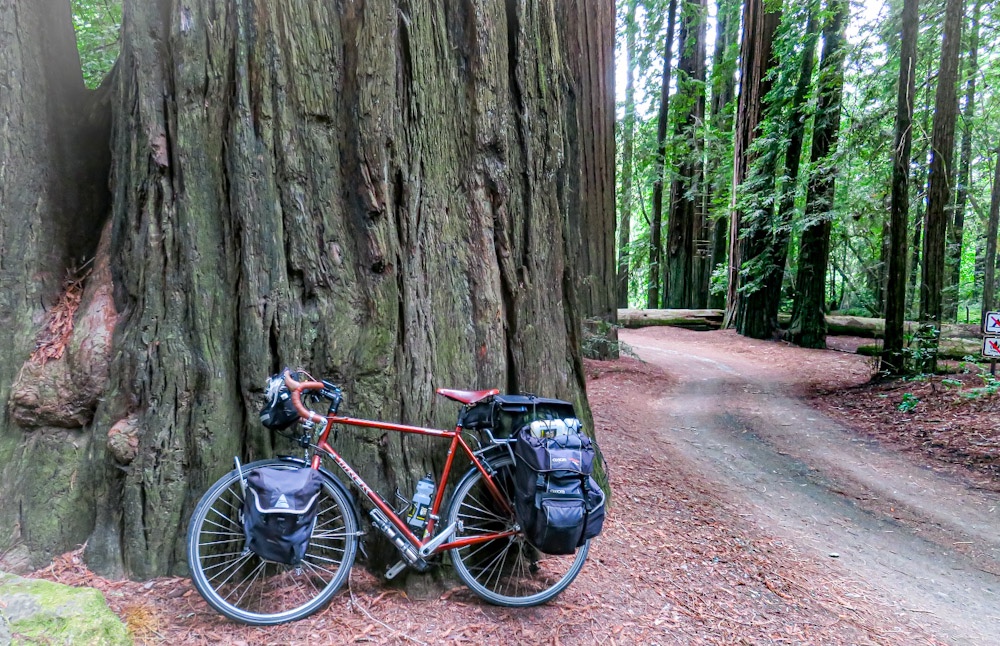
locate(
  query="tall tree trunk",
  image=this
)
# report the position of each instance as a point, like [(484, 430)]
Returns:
[(628, 139), (920, 180), (718, 172), (786, 201), (939, 190), (990, 263), (53, 201), (765, 244), (895, 292), (956, 230), (656, 226), (376, 191), (756, 58), (588, 38), (808, 326), (684, 226)]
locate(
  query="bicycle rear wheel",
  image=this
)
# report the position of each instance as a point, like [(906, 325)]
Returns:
[(506, 571), (246, 588)]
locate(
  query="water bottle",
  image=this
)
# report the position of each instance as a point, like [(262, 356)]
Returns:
[(421, 504), (548, 428)]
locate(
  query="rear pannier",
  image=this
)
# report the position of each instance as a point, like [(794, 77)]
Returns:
[(505, 414), (279, 511), (558, 503)]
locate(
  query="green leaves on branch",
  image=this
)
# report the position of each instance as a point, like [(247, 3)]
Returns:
[(98, 37)]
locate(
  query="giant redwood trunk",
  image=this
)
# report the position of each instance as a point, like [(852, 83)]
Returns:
[(588, 32), (53, 199), (376, 191)]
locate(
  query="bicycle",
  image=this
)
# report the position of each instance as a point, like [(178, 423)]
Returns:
[(479, 533)]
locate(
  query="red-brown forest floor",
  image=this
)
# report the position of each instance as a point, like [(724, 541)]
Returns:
[(680, 561)]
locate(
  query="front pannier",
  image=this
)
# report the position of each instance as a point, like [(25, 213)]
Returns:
[(558, 503), (279, 511)]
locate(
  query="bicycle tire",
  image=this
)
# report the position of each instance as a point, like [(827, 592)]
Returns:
[(507, 571), (244, 587)]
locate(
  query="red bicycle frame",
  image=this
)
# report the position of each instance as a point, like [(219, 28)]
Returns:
[(323, 446)]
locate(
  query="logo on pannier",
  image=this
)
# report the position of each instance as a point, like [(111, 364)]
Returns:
[(557, 460), (282, 502)]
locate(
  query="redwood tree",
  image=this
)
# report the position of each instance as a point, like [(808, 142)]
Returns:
[(808, 326), (939, 188), (588, 36), (756, 58), (656, 226), (686, 214), (956, 223), (895, 292), (718, 170), (376, 191), (628, 143)]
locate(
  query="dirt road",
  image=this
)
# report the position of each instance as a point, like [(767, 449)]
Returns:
[(927, 542)]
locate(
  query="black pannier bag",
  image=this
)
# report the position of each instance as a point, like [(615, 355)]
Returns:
[(558, 503), (279, 412), (279, 511)]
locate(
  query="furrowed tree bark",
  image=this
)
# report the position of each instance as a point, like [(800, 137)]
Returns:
[(684, 225), (374, 191), (588, 34), (756, 58), (893, 360), (808, 326), (939, 190), (656, 226), (628, 143), (956, 228), (53, 201)]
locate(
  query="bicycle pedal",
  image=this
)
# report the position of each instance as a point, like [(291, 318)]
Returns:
[(392, 572)]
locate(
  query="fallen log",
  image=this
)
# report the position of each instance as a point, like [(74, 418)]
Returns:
[(690, 319), (869, 328)]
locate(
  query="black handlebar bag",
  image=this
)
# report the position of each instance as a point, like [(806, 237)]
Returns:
[(279, 511)]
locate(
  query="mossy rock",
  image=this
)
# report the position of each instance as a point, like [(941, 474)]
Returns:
[(42, 612)]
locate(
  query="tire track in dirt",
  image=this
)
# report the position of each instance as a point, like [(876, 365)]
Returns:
[(928, 543)]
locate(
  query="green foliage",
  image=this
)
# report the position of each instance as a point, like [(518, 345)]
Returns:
[(719, 280), (98, 26), (862, 162), (909, 403)]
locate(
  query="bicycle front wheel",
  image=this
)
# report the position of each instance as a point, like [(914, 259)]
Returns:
[(506, 571), (246, 588)]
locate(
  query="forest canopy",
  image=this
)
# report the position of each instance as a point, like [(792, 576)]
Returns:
[(805, 82)]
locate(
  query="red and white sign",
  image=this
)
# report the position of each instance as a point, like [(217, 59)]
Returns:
[(992, 323), (991, 347)]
